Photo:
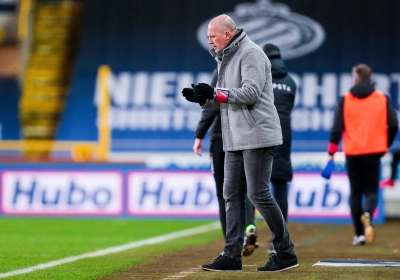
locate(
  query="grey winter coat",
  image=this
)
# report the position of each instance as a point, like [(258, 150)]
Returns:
[(249, 118)]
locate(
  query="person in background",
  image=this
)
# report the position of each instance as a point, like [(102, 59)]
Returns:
[(368, 124), (211, 121), (284, 96), (250, 131)]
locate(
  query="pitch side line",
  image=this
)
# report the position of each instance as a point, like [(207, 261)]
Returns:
[(117, 249)]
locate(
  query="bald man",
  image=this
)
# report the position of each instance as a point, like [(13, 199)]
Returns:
[(250, 130)]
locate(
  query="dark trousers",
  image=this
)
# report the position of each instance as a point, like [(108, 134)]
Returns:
[(364, 175), (258, 167), (280, 193), (217, 158)]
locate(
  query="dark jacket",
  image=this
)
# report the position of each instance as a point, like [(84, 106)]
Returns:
[(362, 90), (284, 94), (210, 119)]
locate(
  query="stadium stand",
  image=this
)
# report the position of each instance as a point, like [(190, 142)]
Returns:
[(53, 29)]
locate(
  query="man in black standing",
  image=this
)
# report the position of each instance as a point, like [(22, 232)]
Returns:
[(284, 89)]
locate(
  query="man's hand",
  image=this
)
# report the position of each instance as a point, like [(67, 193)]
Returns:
[(198, 143), (203, 90), (190, 96)]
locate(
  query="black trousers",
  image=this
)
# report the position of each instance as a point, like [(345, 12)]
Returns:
[(280, 193), (217, 158), (364, 175)]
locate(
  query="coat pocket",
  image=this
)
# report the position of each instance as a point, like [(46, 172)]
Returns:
[(248, 116)]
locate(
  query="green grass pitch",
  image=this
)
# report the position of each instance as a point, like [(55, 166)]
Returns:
[(27, 242)]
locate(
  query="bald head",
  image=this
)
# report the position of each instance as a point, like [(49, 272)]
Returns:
[(223, 22), (221, 30)]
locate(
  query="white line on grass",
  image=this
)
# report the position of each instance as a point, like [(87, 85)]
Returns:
[(183, 274), (117, 249)]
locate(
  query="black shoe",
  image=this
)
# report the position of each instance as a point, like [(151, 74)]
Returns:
[(279, 263), (222, 263)]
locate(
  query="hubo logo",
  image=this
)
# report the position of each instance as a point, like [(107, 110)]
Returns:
[(25, 192), (266, 22)]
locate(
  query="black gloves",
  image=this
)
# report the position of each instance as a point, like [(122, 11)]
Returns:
[(190, 96), (203, 90), (198, 93)]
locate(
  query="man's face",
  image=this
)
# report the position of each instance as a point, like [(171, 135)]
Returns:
[(217, 37)]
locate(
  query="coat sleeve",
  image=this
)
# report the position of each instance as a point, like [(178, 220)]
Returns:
[(392, 122), (337, 128), (207, 118)]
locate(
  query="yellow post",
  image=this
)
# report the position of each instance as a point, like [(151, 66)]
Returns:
[(104, 132), (24, 8)]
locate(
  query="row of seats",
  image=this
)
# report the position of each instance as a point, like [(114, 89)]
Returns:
[(53, 35)]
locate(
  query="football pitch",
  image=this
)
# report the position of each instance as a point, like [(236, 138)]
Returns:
[(62, 248), (91, 249)]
